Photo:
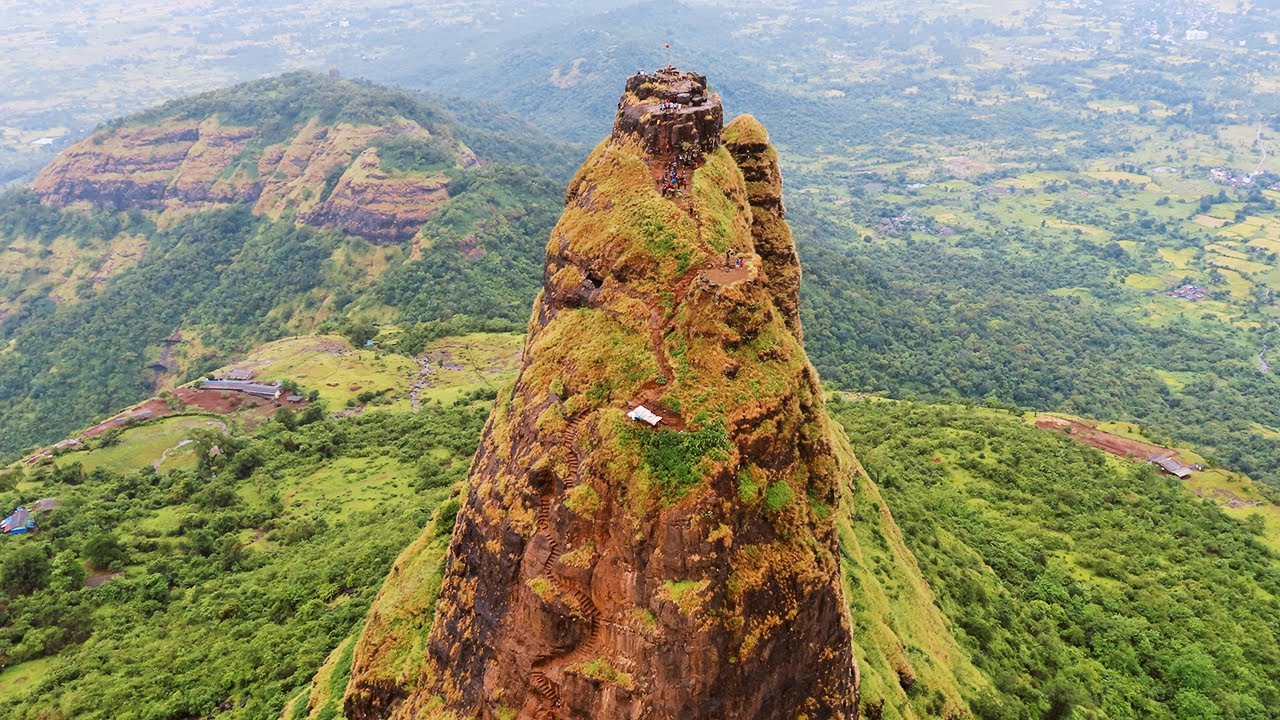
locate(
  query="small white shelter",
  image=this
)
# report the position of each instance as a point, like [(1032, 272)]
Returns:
[(643, 413)]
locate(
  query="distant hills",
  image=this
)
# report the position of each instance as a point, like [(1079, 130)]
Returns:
[(170, 239)]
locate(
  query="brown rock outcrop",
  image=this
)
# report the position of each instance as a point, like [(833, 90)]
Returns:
[(371, 203), (748, 142), (134, 167), (181, 165), (668, 109), (603, 568)]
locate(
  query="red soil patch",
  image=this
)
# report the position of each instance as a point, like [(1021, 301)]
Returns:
[(726, 276), (1104, 441), (219, 402), (649, 394)]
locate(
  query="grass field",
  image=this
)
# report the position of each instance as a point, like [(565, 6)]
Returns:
[(329, 364), (347, 486), (1180, 259), (460, 365), (24, 675), (146, 445), (1236, 494)]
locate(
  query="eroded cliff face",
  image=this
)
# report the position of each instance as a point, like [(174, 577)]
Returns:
[(325, 175), (603, 568)]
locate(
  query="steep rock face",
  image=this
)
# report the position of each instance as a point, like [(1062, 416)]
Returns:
[(602, 568), (371, 203), (667, 110), (137, 167), (180, 165), (748, 142)]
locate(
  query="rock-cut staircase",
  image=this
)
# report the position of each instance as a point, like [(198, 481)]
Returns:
[(580, 601)]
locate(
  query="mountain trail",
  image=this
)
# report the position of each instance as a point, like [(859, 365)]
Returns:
[(579, 601)]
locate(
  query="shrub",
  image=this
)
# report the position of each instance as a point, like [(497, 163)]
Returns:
[(103, 551), (675, 458), (779, 495), (24, 570)]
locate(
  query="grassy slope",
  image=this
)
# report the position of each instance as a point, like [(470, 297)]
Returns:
[(291, 574), (910, 665), (1075, 581), (146, 446)]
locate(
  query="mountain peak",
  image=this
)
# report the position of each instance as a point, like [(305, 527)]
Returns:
[(603, 567), (669, 111)]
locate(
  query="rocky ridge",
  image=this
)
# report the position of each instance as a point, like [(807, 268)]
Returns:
[(600, 568), (322, 174)]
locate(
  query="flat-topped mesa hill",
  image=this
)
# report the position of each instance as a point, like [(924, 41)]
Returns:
[(603, 568), (300, 145)]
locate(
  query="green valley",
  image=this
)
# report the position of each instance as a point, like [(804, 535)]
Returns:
[(163, 279), (1030, 247), (194, 547)]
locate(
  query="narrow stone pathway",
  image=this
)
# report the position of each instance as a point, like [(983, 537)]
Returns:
[(423, 380), (554, 664)]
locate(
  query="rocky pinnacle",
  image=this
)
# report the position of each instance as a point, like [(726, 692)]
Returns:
[(601, 567)]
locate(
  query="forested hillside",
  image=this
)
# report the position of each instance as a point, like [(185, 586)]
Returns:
[(219, 586), (114, 286), (1080, 585), (1036, 319)]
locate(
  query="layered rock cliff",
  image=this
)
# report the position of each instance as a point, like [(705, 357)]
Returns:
[(604, 568), (325, 174)]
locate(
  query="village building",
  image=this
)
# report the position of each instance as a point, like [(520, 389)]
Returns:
[(19, 523), (244, 386), (1188, 292), (1173, 467)]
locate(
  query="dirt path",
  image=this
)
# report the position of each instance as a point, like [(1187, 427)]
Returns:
[(1105, 441), (165, 455), (100, 578), (656, 319), (660, 167)]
